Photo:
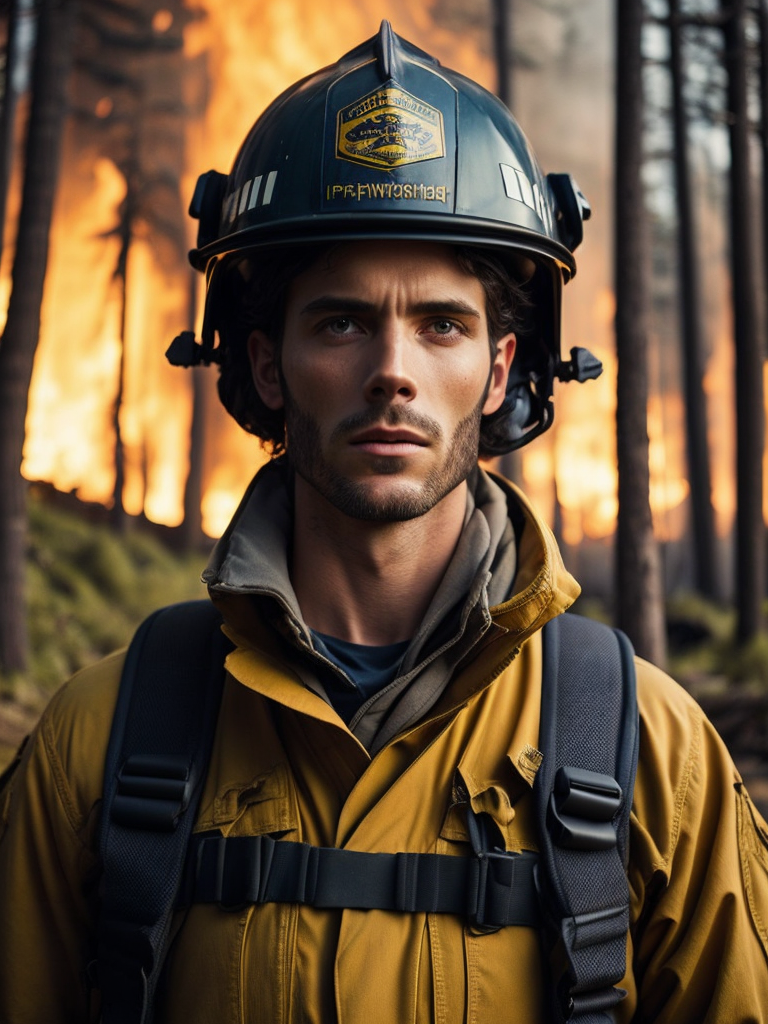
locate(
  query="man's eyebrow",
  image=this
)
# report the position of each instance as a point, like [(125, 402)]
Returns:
[(453, 307), (431, 307), (336, 303)]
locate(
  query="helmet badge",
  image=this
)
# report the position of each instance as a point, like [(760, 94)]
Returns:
[(388, 128)]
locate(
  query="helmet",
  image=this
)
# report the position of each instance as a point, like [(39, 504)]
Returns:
[(388, 144)]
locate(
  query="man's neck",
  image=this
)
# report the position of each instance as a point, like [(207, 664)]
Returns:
[(370, 582)]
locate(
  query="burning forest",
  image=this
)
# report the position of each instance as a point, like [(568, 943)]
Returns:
[(158, 94)]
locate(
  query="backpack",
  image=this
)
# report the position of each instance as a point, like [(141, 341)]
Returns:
[(575, 890)]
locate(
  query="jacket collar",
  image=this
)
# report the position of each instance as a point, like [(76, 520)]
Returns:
[(506, 580)]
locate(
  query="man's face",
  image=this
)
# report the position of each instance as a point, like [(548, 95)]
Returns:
[(384, 372)]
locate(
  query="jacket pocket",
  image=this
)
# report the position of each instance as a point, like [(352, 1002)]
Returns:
[(236, 964), (259, 806), (479, 976), (502, 800)]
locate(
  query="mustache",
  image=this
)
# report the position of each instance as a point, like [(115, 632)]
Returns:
[(390, 416)]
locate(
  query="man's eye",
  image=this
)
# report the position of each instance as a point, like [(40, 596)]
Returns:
[(341, 325), (446, 329)]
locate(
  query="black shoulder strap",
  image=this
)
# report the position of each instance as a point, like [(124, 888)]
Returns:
[(157, 759), (583, 793)]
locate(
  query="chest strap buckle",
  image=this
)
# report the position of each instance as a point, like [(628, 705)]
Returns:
[(581, 809)]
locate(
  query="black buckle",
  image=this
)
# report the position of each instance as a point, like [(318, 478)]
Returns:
[(152, 792), (492, 872), (581, 809), (501, 888), (234, 872)]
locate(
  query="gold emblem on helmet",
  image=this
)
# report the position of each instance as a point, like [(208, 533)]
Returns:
[(388, 128)]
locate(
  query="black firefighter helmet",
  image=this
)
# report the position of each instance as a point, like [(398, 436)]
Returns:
[(386, 143)]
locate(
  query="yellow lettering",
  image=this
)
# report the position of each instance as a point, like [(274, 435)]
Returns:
[(362, 190)]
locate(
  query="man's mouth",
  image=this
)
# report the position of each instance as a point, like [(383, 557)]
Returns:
[(388, 441)]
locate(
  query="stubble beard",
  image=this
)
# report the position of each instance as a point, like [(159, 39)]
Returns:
[(352, 497)]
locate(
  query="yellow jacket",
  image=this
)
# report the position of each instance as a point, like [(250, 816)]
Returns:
[(284, 762)]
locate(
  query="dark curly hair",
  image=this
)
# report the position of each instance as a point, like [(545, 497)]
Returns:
[(252, 295)]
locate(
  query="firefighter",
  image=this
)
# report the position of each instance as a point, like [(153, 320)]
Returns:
[(384, 270)]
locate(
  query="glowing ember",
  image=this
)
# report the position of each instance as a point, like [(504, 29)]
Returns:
[(104, 107), (162, 21)]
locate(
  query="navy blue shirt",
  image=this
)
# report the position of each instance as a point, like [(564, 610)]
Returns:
[(369, 668)]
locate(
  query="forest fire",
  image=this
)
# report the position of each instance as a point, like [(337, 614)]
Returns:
[(252, 52)]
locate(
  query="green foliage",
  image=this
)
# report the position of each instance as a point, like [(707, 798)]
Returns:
[(706, 651), (703, 652), (748, 663), (89, 587)]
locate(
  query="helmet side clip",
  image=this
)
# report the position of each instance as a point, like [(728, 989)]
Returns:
[(205, 207), (572, 209), (580, 367)]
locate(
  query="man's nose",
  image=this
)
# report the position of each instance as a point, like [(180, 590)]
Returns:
[(391, 375)]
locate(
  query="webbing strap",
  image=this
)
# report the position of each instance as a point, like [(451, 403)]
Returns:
[(159, 748), (492, 890), (583, 791)]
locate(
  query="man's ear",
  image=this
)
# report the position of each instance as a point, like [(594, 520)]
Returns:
[(497, 387), (265, 369)]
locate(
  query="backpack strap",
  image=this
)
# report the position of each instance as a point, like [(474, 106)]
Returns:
[(157, 759), (583, 793), (159, 749)]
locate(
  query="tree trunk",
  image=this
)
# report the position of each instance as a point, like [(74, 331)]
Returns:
[(762, 8), (502, 17), (640, 606), (118, 515), (748, 343), (53, 55), (192, 526), (14, 63), (511, 464), (702, 513)]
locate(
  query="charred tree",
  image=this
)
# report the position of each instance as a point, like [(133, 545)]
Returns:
[(702, 512), (748, 343), (15, 75), (762, 8), (131, 57), (639, 592), (127, 216), (502, 19), (52, 62), (192, 526), (511, 464)]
